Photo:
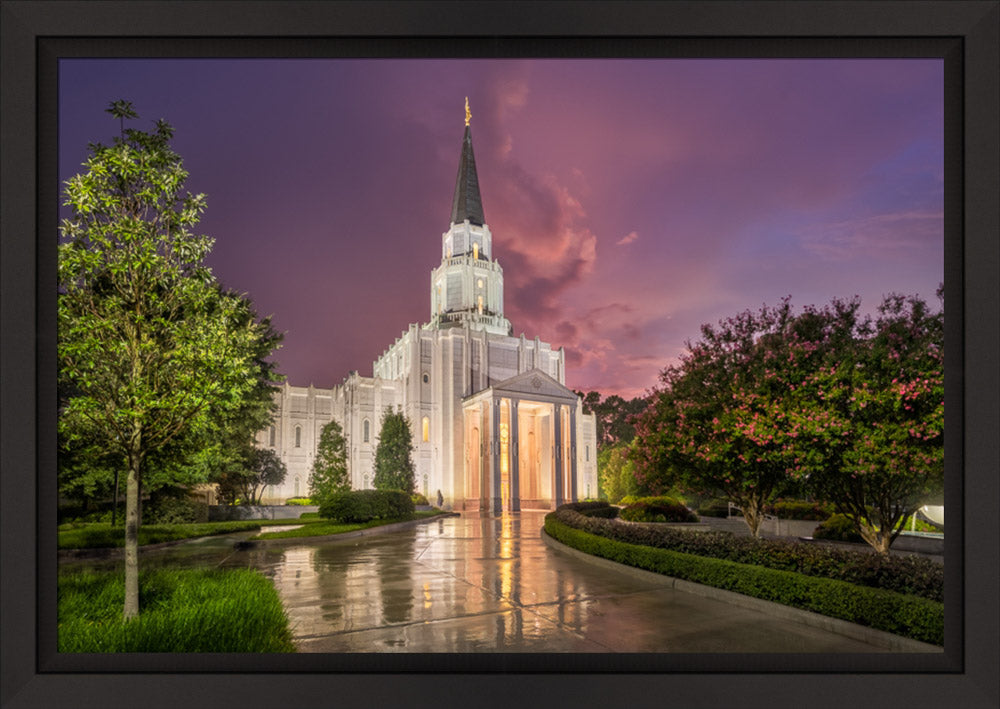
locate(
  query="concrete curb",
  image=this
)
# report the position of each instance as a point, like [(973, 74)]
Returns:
[(879, 638), (119, 552), (384, 529)]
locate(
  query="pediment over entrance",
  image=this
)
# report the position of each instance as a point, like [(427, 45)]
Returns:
[(534, 384)]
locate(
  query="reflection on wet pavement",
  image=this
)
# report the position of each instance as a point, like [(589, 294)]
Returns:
[(479, 583), (489, 584)]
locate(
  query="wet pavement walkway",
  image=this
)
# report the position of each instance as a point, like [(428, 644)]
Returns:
[(479, 583)]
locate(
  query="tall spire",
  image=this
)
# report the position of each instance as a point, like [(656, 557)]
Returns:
[(467, 204)]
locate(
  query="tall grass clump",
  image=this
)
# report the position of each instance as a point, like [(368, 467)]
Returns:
[(189, 610)]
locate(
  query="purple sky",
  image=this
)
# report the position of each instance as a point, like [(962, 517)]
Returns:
[(630, 200)]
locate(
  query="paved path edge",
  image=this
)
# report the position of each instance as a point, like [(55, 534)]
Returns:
[(119, 552), (383, 529), (879, 638)]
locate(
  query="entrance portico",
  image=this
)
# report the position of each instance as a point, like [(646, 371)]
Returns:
[(520, 444)]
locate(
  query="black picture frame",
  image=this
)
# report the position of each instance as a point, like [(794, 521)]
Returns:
[(36, 33)]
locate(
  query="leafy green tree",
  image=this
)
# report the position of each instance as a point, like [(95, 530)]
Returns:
[(261, 468), (151, 350), (616, 472), (613, 417), (329, 474), (393, 462), (87, 474)]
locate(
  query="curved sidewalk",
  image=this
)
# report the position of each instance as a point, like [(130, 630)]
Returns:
[(871, 636), (483, 584)]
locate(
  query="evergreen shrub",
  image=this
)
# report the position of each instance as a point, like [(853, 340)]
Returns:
[(714, 508), (657, 509), (800, 509), (366, 505), (419, 499), (299, 501), (172, 510), (838, 528)]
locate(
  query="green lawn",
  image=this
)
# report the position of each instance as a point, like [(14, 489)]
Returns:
[(101, 535), (325, 527), (191, 610)]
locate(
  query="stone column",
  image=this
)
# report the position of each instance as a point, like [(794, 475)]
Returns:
[(557, 467), (515, 483), (497, 501), (572, 454), (484, 457)]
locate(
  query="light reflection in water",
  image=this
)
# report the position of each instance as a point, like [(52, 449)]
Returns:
[(479, 584)]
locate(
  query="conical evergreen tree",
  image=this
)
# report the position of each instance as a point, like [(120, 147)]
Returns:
[(393, 464), (329, 474)]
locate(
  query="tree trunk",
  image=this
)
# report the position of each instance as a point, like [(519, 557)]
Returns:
[(132, 538), (114, 505), (753, 513), (879, 539)]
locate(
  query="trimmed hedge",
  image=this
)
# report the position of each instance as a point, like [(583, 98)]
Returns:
[(839, 528), (799, 509), (783, 509), (909, 616), (366, 505), (300, 501), (657, 509), (714, 508), (904, 574), (419, 499)]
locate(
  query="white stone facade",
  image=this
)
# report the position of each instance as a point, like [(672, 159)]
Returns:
[(467, 387)]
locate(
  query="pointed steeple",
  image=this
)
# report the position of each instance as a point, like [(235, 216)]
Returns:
[(467, 204)]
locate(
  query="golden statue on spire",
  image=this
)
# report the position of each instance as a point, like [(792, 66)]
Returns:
[(468, 113)]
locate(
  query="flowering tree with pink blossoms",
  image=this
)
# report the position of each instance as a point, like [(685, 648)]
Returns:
[(872, 421), (723, 421), (846, 408)]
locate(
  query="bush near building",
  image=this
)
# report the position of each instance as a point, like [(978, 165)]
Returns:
[(657, 509), (366, 505)]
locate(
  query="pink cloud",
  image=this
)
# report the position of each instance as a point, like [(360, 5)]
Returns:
[(627, 239)]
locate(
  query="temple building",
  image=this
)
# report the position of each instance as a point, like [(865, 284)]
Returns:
[(494, 426)]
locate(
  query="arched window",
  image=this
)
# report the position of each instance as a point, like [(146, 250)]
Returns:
[(475, 251), (425, 484), (426, 425), (298, 436), (366, 482), (270, 437), (479, 305), (366, 431), (427, 377), (586, 453), (296, 486)]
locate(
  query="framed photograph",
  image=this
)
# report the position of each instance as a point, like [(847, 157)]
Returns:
[(503, 212)]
